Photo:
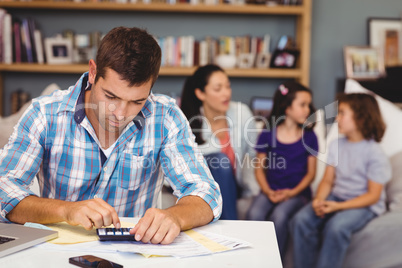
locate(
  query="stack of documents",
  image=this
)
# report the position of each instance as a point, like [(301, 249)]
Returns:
[(188, 244)]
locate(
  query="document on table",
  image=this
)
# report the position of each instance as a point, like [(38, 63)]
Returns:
[(187, 244)]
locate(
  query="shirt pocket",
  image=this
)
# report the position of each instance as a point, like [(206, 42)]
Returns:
[(134, 170)]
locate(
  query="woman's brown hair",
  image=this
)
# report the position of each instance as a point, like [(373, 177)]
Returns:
[(367, 114)]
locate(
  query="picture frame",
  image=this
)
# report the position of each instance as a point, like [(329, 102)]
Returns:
[(363, 62), (263, 60), (386, 33), (245, 60), (58, 50), (286, 58)]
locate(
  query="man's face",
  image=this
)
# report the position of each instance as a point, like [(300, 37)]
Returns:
[(114, 102)]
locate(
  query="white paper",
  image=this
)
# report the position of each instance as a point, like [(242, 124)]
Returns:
[(183, 246)]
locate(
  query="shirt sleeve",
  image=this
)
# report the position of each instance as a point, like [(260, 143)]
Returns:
[(184, 165), (332, 159), (20, 160), (379, 167)]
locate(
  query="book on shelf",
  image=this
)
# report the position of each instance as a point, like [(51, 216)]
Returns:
[(185, 51), (31, 31), (2, 14), (7, 38), (39, 46), (26, 38), (17, 54)]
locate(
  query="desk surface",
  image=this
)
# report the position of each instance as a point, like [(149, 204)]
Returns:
[(264, 252)]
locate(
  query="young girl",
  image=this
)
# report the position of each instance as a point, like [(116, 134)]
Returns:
[(286, 166), (351, 191)]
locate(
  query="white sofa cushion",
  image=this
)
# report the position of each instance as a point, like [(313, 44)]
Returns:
[(392, 141), (7, 123)]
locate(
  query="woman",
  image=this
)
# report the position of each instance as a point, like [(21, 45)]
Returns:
[(225, 132)]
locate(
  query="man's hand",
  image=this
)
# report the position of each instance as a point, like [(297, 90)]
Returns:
[(157, 226), (94, 212)]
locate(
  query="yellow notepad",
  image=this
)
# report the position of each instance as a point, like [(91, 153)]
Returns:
[(69, 234)]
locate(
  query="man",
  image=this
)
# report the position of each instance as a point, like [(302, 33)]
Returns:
[(100, 145)]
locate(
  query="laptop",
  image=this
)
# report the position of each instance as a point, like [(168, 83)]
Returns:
[(15, 237)]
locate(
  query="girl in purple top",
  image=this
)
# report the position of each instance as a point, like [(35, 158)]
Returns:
[(351, 192), (286, 163)]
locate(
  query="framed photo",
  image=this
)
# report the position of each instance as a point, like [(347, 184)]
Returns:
[(246, 60), (386, 34), (286, 58), (58, 50), (263, 60), (362, 63)]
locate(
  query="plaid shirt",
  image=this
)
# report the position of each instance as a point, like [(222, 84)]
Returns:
[(55, 140)]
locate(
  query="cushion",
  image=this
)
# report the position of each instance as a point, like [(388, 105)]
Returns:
[(7, 123), (392, 141), (320, 132), (394, 186)]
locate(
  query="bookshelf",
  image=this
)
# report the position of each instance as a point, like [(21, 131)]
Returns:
[(303, 35)]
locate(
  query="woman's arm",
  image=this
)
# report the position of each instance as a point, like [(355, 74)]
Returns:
[(369, 198)]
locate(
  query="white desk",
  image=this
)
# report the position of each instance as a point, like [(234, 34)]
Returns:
[(264, 253)]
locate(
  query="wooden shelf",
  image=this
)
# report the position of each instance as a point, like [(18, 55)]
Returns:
[(165, 71), (303, 34), (158, 7)]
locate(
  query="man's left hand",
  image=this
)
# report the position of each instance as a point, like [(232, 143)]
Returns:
[(157, 226)]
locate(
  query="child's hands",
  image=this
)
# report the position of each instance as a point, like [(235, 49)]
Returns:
[(318, 207), (273, 196), (330, 206), (284, 194)]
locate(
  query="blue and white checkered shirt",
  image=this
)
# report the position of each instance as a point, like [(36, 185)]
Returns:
[(55, 140)]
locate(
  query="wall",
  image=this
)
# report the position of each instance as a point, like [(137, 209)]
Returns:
[(335, 24)]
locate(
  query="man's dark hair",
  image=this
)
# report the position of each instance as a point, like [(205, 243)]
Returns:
[(132, 53)]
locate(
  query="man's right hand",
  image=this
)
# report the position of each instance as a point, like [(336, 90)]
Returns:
[(91, 213)]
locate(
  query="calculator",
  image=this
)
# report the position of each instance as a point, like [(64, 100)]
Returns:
[(115, 234)]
